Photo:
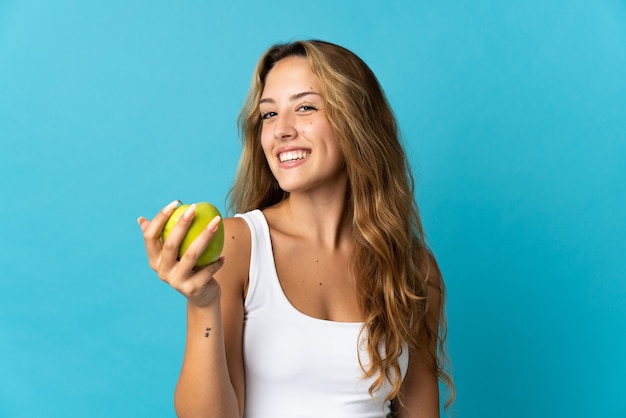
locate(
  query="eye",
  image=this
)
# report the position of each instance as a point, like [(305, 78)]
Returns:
[(307, 108), (267, 115)]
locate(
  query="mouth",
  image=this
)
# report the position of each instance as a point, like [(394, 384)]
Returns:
[(287, 156)]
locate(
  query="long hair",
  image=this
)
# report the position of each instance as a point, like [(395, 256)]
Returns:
[(391, 263)]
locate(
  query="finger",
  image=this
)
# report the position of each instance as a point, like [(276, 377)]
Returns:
[(192, 286), (143, 223), (152, 231), (171, 246), (213, 267), (197, 247)]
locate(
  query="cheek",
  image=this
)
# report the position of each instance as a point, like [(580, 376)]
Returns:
[(271, 162), (266, 142)]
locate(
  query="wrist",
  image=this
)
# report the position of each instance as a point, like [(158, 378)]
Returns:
[(210, 309)]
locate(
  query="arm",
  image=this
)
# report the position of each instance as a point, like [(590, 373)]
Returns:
[(420, 388), (211, 382)]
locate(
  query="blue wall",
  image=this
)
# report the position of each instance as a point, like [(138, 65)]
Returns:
[(514, 117)]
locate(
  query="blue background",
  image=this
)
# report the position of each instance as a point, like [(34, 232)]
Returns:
[(514, 118)]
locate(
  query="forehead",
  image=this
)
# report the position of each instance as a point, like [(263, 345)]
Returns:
[(290, 75)]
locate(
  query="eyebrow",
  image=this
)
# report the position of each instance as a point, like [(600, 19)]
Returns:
[(292, 98)]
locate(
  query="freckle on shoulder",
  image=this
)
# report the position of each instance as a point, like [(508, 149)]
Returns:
[(237, 249), (237, 228)]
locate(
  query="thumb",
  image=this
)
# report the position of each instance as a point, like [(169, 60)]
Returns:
[(143, 223)]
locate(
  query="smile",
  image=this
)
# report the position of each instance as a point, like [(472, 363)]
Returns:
[(292, 156)]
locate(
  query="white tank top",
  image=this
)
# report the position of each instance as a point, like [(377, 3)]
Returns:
[(298, 366)]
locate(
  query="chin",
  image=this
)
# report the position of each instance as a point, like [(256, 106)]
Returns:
[(291, 186)]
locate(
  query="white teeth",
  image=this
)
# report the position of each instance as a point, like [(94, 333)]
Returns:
[(292, 155)]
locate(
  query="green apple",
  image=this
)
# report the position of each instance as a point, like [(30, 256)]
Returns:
[(205, 212)]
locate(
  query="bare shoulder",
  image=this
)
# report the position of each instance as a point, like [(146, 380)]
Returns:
[(236, 232), (234, 274), (436, 288), (274, 216)]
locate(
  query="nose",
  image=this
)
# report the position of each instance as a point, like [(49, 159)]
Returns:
[(284, 128)]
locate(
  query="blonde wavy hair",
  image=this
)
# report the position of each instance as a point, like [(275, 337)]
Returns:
[(391, 261)]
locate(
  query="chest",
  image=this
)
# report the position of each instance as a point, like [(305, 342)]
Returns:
[(299, 366), (317, 282)]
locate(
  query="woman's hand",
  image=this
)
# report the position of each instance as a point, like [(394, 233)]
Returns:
[(197, 285)]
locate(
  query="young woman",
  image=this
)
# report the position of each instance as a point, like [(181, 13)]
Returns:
[(326, 302)]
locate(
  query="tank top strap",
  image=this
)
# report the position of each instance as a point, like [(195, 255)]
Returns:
[(261, 261)]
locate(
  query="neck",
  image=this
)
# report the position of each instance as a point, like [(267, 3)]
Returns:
[(326, 220)]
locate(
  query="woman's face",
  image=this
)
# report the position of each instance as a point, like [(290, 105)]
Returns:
[(298, 142)]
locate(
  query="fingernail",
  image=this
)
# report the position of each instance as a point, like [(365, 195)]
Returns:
[(168, 209), (140, 220), (188, 215), (212, 226)]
